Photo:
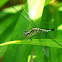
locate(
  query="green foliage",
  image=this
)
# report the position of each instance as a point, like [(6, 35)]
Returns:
[(12, 26), (2, 2)]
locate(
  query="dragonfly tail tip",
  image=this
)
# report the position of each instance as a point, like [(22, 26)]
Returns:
[(53, 29)]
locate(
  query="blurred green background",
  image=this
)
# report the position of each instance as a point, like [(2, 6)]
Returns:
[(12, 25)]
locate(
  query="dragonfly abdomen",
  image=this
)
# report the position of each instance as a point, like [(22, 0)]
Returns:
[(41, 30)]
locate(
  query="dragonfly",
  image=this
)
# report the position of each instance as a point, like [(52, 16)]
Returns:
[(34, 30)]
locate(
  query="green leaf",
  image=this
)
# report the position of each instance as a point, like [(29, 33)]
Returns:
[(2, 2), (47, 2), (43, 42), (2, 50), (7, 24)]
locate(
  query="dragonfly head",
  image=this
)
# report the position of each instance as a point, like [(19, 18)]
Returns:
[(24, 33)]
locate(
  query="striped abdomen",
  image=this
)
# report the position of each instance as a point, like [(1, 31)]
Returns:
[(33, 31)]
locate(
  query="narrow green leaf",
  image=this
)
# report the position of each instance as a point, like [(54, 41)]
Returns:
[(2, 2), (43, 42)]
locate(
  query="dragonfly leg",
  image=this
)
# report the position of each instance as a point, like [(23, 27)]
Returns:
[(31, 38), (38, 37)]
